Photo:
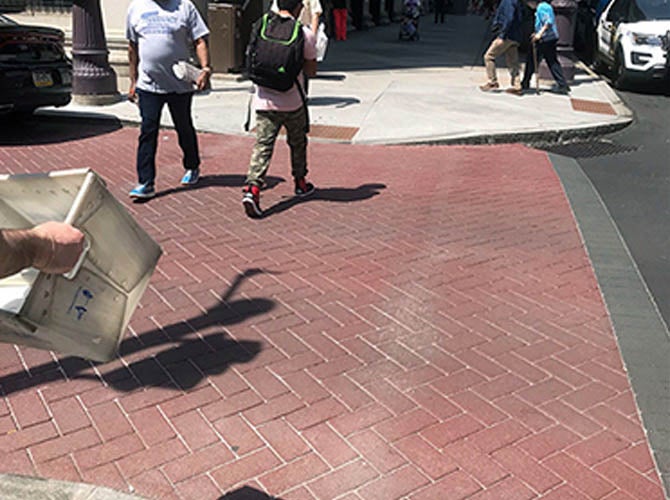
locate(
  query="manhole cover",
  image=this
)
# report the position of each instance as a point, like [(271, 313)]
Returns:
[(588, 149)]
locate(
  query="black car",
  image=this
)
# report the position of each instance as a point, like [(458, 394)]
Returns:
[(34, 69)]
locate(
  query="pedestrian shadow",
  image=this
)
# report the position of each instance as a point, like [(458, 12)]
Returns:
[(334, 194), (186, 361), (338, 102), (240, 88), (41, 129), (247, 493), (333, 77), (206, 181)]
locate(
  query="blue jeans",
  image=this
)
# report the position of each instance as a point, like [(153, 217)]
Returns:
[(548, 51), (151, 105)]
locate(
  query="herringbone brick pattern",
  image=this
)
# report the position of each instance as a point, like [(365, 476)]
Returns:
[(428, 326)]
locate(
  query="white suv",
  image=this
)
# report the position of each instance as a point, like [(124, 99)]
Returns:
[(631, 40)]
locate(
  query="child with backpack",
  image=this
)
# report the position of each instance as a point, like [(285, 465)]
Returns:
[(280, 52)]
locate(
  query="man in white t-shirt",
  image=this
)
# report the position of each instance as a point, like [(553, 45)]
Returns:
[(161, 33), (275, 109)]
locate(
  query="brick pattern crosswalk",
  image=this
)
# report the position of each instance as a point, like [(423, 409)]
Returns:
[(427, 326)]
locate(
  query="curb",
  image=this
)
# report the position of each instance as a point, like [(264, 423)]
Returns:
[(545, 136)]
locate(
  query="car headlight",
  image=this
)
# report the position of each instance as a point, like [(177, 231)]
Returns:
[(644, 39)]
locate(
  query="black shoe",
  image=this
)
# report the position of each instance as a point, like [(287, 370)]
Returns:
[(252, 201), (303, 188)]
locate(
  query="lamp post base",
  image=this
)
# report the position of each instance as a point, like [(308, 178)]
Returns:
[(96, 99), (93, 79)]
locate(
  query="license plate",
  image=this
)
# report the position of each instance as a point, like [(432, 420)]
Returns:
[(42, 79), (66, 77)]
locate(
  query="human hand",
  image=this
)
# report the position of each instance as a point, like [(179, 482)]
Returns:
[(57, 247), (203, 78), (535, 37), (132, 93)]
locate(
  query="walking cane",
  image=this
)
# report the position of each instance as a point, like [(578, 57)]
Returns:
[(537, 69)]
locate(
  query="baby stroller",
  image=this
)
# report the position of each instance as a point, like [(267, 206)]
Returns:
[(409, 26)]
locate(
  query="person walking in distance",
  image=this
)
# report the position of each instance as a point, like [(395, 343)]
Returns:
[(161, 33), (279, 99), (340, 18), (507, 26), (440, 8), (545, 39)]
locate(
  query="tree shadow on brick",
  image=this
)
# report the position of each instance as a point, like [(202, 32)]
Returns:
[(206, 181), (184, 355), (247, 493), (45, 129), (332, 194)]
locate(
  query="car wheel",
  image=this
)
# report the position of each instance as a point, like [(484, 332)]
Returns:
[(598, 65), (620, 73)]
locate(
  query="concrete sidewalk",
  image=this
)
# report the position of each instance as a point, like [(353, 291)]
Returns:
[(375, 89)]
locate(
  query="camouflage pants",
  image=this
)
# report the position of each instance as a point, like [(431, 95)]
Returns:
[(268, 124)]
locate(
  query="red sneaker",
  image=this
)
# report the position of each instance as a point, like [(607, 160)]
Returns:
[(252, 201), (303, 188)]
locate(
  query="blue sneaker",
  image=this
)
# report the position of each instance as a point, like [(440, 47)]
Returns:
[(191, 177), (143, 191)]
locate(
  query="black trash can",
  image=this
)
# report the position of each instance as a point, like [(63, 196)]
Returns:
[(230, 28)]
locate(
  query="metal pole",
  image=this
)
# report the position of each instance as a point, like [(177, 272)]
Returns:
[(537, 67), (93, 79), (566, 12)]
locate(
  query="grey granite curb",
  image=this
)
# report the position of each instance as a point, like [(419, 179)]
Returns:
[(16, 487), (640, 331), (549, 136)]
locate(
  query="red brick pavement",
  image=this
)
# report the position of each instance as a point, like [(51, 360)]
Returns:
[(427, 327)]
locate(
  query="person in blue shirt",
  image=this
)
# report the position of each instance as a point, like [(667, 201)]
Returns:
[(507, 24), (544, 39)]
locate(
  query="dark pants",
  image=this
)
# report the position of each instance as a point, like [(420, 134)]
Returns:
[(357, 14), (548, 51), (375, 11), (388, 5), (440, 8), (151, 105)]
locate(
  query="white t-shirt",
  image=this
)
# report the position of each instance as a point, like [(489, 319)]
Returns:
[(267, 99), (164, 31), (310, 7)]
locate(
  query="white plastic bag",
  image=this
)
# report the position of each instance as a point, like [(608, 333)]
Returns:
[(321, 42), (186, 71)]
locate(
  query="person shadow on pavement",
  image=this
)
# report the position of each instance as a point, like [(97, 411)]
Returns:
[(332, 194), (186, 360), (336, 102), (247, 493)]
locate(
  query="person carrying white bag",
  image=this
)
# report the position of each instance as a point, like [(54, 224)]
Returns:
[(321, 43)]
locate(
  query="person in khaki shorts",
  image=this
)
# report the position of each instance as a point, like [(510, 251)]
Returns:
[(507, 25), (275, 109)]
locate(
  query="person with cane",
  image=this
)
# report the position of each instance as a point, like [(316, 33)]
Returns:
[(544, 41)]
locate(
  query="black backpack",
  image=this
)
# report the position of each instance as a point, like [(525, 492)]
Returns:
[(275, 54)]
